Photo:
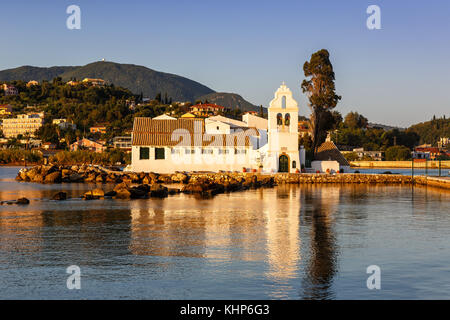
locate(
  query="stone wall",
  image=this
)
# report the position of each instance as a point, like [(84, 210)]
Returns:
[(441, 182), (445, 164)]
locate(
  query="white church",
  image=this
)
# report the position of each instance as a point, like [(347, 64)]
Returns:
[(165, 144)]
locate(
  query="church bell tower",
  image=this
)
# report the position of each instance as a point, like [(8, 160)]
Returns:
[(283, 131)]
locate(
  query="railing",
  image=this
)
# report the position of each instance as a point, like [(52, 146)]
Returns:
[(426, 161)]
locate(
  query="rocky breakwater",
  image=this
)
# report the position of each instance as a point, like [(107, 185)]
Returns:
[(93, 174), (342, 178), (200, 185), (210, 184)]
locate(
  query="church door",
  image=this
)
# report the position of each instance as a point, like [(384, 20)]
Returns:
[(283, 164)]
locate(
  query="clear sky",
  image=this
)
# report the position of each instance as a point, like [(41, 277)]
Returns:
[(398, 75)]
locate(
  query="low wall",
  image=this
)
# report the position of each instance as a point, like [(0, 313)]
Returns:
[(441, 182), (344, 178), (445, 164)]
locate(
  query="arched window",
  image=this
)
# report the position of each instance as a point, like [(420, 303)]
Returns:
[(287, 119), (279, 119), (283, 102)]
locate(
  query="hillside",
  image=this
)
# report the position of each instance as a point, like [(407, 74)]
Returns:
[(27, 73), (230, 100), (133, 77), (384, 127), (141, 79), (430, 131)]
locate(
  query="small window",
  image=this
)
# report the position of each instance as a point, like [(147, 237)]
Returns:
[(144, 153), (207, 151), (294, 164), (287, 119), (283, 102), (189, 151), (279, 119), (159, 153), (217, 127)]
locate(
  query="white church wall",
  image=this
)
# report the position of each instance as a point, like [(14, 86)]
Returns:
[(255, 121), (176, 159), (323, 166)]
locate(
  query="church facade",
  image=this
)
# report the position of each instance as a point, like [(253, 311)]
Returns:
[(167, 145)]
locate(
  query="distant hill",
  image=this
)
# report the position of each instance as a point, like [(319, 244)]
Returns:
[(230, 100), (431, 131), (141, 79), (133, 77), (384, 127), (27, 73)]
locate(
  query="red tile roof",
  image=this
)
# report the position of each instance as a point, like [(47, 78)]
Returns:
[(185, 132)]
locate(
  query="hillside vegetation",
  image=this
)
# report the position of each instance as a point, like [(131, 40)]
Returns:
[(138, 79), (431, 131)]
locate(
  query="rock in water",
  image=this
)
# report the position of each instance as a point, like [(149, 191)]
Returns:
[(110, 194), (94, 194), (98, 192), (23, 201), (75, 177), (122, 194), (54, 177), (60, 196), (159, 191)]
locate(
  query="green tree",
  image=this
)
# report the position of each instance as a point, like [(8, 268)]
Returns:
[(355, 120), (320, 89), (398, 153), (48, 133), (351, 156)]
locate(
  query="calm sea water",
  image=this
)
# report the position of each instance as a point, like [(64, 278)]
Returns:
[(290, 242), (429, 172)]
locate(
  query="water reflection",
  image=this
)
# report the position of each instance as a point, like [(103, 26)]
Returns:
[(320, 204), (286, 242), (283, 237)]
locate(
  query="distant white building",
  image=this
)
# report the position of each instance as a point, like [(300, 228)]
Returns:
[(23, 124), (63, 124), (218, 143), (10, 90)]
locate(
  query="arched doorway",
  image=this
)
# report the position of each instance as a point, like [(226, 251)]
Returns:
[(283, 163)]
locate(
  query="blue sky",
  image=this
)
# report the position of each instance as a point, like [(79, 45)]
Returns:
[(398, 75)]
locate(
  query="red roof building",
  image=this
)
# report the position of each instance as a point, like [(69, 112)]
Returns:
[(207, 109)]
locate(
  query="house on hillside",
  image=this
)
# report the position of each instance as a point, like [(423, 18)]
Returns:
[(94, 82), (374, 155), (98, 129), (23, 124), (207, 109), (32, 83), (5, 109), (64, 124), (123, 142), (303, 129), (87, 144), (429, 153), (10, 90)]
